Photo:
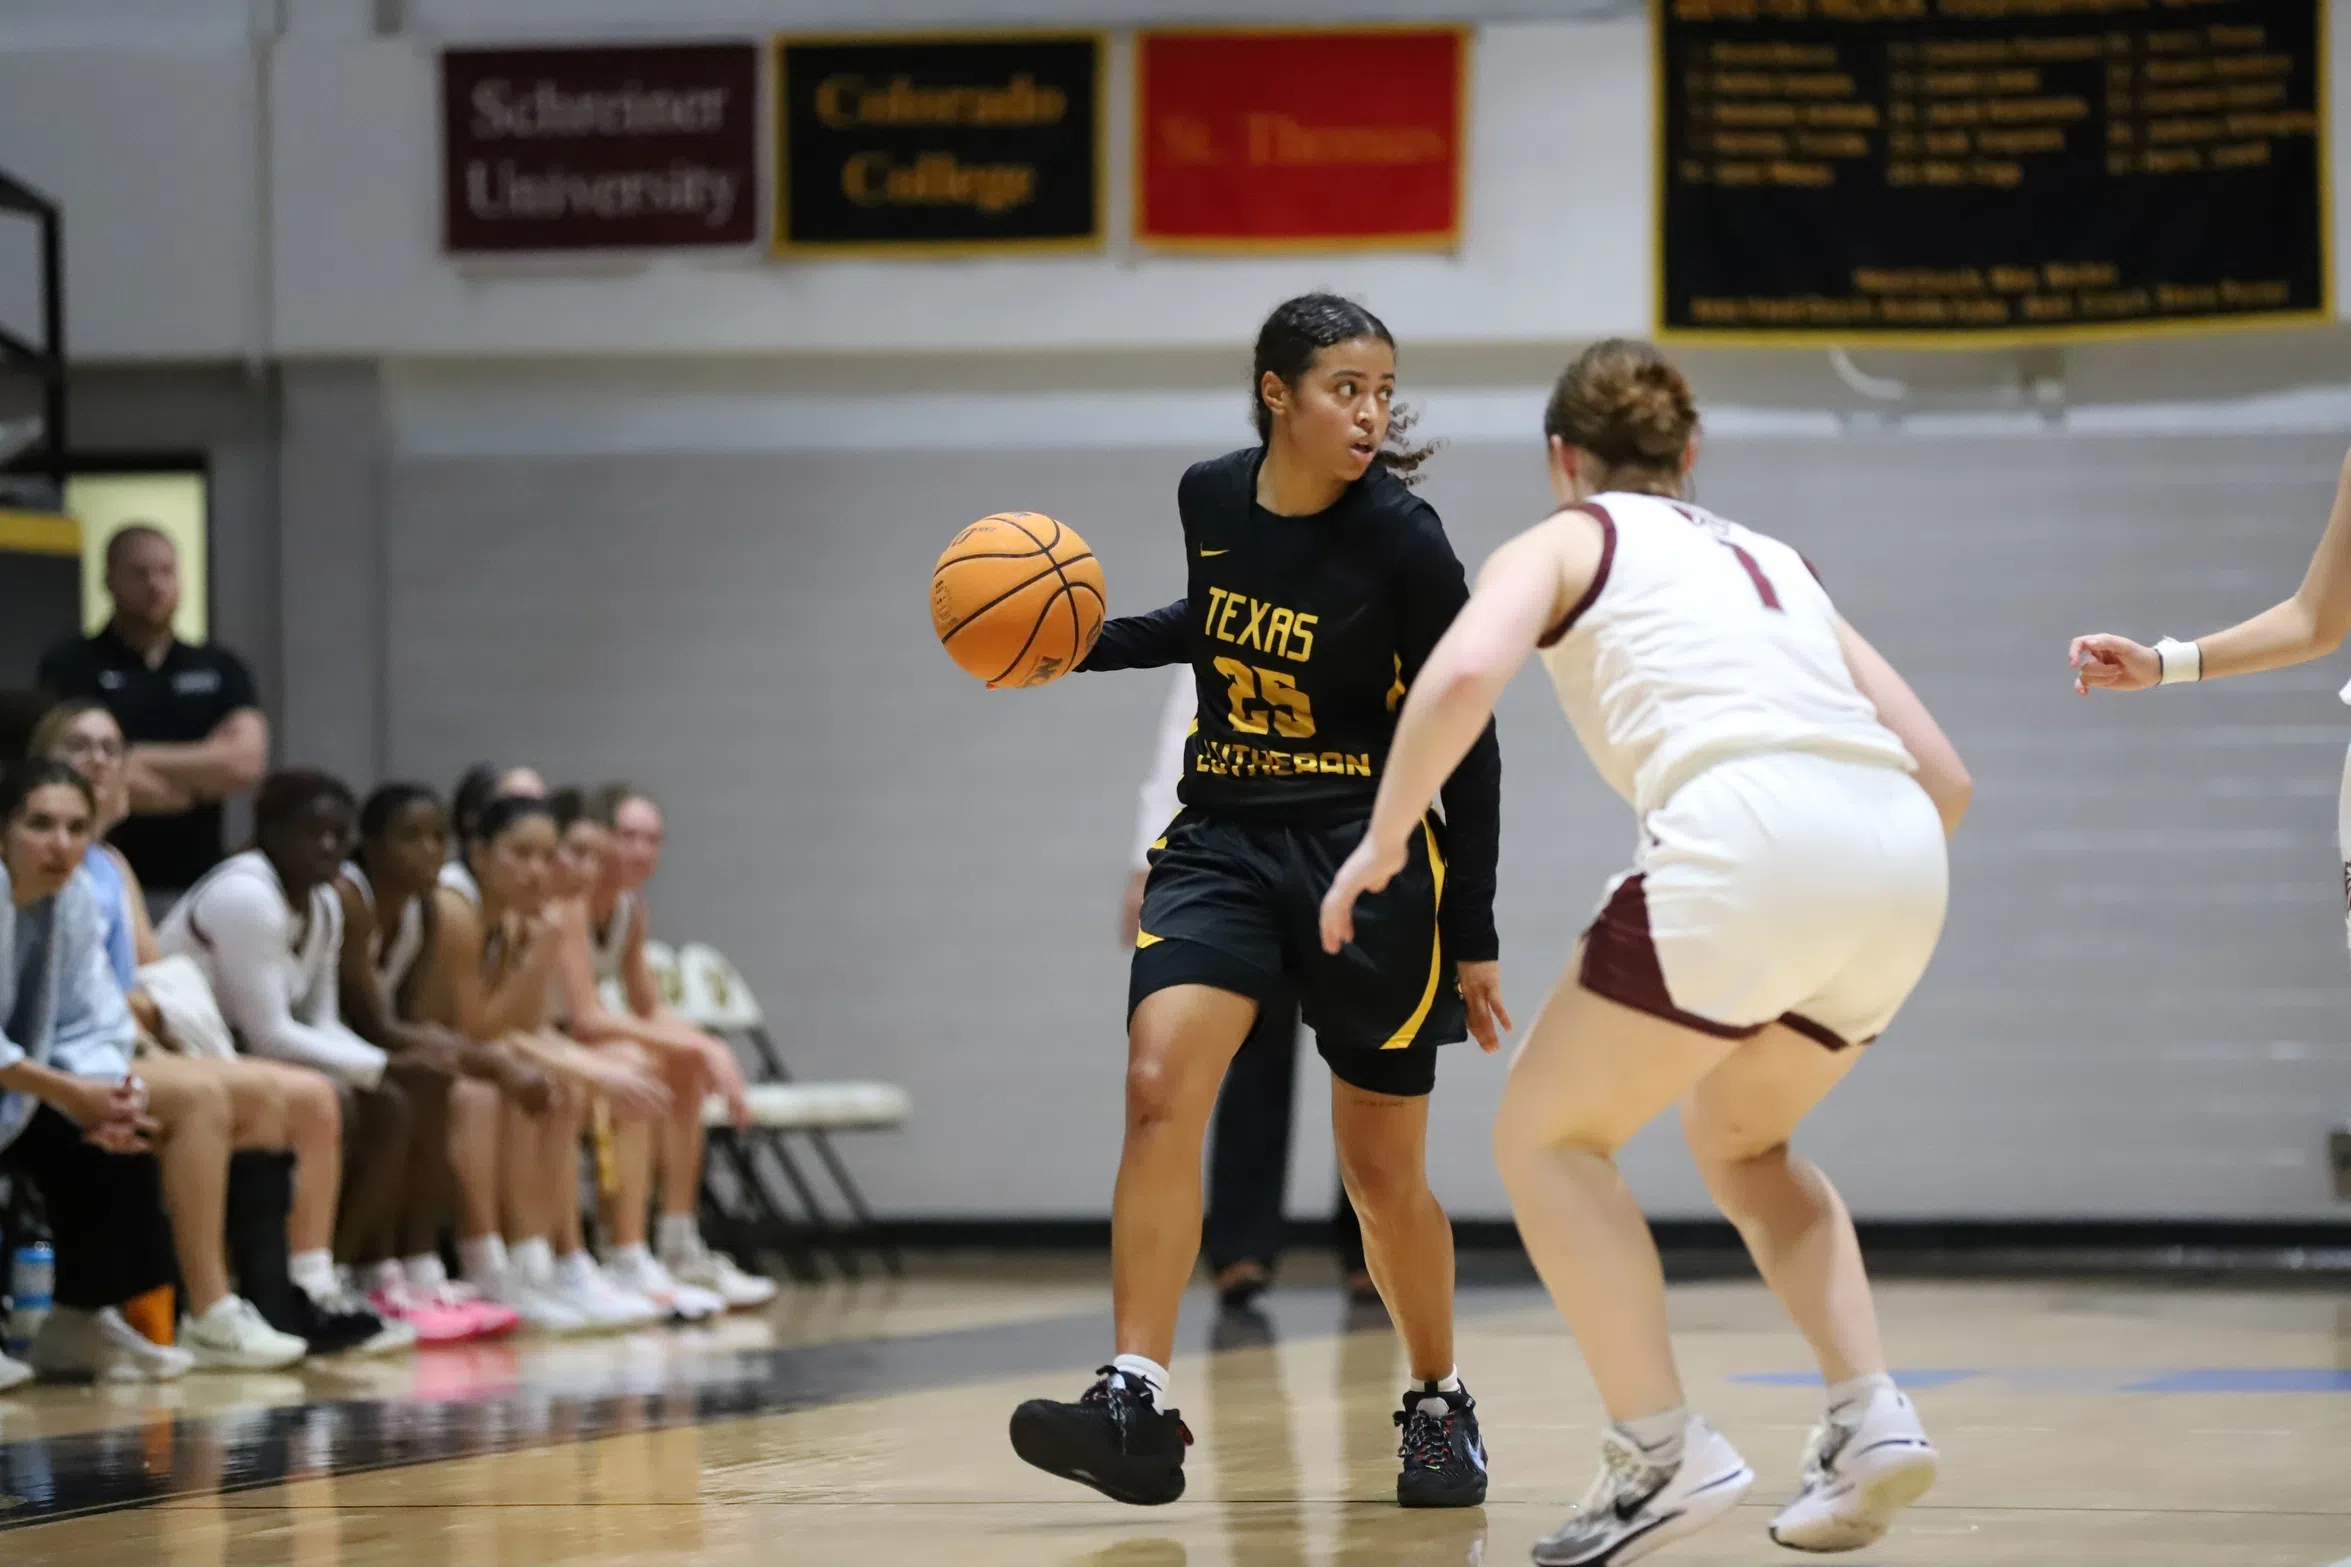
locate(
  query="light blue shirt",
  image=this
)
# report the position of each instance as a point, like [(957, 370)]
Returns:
[(58, 994), (114, 901)]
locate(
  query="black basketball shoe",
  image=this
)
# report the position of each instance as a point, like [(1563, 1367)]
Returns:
[(1113, 1439), (1444, 1456)]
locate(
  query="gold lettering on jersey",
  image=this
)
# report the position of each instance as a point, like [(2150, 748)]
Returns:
[(1257, 613), (1264, 625), (1229, 759)]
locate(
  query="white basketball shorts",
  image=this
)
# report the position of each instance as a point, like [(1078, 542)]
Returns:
[(1777, 888)]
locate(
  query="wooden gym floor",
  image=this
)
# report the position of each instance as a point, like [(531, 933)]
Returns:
[(2080, 1425)]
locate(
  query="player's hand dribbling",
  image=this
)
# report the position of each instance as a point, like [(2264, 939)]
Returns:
[(1481, 990), (2112, 663), (1369, 869)]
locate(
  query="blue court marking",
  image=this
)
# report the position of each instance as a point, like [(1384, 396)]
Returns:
[(2091, 1381), (1922, 1380), (2256, 1379)]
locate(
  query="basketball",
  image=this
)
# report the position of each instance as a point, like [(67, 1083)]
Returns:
[(1017, 599)]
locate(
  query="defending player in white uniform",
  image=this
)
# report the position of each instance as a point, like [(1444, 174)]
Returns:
[(1795, 798)]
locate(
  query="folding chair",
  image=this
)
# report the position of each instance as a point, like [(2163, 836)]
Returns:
[(714, 996)]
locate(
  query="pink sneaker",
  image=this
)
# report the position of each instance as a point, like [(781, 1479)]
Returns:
[(434, 1322), (490, 1319)]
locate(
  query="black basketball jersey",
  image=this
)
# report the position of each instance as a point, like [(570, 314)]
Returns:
[(1302, 634)]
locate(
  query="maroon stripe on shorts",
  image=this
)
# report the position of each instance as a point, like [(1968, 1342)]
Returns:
[(1829, 1038), (1620, 964), (1599, 514)]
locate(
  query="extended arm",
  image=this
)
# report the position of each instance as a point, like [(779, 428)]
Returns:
[(1149, 641), (2309, 625), (1434, 594)]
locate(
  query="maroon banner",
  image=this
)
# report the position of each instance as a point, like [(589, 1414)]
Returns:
[(599, 148)]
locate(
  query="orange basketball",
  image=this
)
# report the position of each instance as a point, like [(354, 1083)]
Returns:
[(1017, 599)]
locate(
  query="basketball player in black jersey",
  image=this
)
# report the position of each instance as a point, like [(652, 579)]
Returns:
[(1317, 585)]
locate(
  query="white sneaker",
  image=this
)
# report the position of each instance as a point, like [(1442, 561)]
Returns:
[(1862, 1465), (1638, 1505), (541, 1308), (13, 1373), (716, 1272), (99, 1346), (231, 1336), (608, 1308), (637, 1271)]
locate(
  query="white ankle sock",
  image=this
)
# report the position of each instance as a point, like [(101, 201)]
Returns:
[(425, 1271), (483, 1258), (1659, 1436), (314, 1271), (1860, 1390), (534, 1259), (1450, 1382), (1147, 1371), (675, 1233), (576, 1269), (629, 1256), (387, 1275)]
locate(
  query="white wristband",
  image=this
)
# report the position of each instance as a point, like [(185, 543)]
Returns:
[(2179, 661)]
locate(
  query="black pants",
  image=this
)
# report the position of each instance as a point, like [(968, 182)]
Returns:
[(106, 1219), (1249, 1152)]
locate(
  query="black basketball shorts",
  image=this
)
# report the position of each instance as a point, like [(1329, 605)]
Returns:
[(1237, 904)]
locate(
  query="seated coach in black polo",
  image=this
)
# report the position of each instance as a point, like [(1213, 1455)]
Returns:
[(189, 713)]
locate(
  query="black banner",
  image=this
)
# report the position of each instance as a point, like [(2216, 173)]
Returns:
[(934, 146), (1956, 173)]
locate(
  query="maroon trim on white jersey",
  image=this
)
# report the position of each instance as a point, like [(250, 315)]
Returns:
[(1598, 513)]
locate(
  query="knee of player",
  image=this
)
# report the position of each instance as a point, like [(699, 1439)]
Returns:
[(205, 1102), (1525, 1139), (1717, 1139), (1155, 1091), (472, 1102), (312, 1107), (392, 1109), (1381, 1182), (259, 1106)]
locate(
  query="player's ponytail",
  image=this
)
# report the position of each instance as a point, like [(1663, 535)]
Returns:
[(1297, 331), (1626, 405)]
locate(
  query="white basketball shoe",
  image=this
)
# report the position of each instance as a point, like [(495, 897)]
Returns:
[(1862, 1465), (1639, 1504)]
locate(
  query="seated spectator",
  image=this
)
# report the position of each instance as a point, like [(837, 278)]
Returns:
[(499, 956), (266, 928), (389, 938), (617, 928), (223, 1331), (482, 783), (73, 1122), (626, 1149)]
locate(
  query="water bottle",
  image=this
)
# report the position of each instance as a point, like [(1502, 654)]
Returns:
[(32, 1274)]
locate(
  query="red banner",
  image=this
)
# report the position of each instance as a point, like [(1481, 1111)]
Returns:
[(1311, 139)]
